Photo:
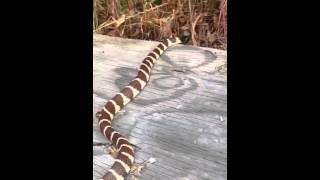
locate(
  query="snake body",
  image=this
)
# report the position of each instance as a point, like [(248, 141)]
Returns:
[(125, 158)]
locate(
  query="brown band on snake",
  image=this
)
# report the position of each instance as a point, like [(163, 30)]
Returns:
[(110, 107), (157, 51), (115, 137), (127, 92), (122, 141), (118, 99), (148, 61), (135, 84), (125, 149), (142, 76), (165, 42), (105, 115), (152, 55), (125, 157), (161, 47), (107, 132), (143, 67), (104, 124)]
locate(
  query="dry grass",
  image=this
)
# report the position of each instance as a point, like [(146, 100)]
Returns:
[(200, 22)]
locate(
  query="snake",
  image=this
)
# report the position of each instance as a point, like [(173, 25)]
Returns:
[(125, 158)]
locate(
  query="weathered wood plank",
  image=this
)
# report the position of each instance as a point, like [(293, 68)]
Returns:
[(180, 118)]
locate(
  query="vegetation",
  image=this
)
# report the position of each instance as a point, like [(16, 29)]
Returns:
[(198, 22)]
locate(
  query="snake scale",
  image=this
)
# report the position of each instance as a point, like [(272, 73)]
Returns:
[(125, 156)]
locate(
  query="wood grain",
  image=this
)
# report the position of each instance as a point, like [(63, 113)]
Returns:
[(180, 118)]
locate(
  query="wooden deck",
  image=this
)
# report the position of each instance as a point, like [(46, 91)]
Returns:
[(179, 119)]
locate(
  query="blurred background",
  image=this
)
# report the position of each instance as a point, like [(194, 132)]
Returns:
[(198, 22)]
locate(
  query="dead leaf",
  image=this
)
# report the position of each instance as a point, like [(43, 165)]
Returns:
[(151, 160), (136, 170), (113, 151)]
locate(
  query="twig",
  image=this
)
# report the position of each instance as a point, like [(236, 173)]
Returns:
[(114, 9), (118, 22), (128, 17), (122, 19), (193, 24), (100, 144), (221, 13), (190, 11)]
